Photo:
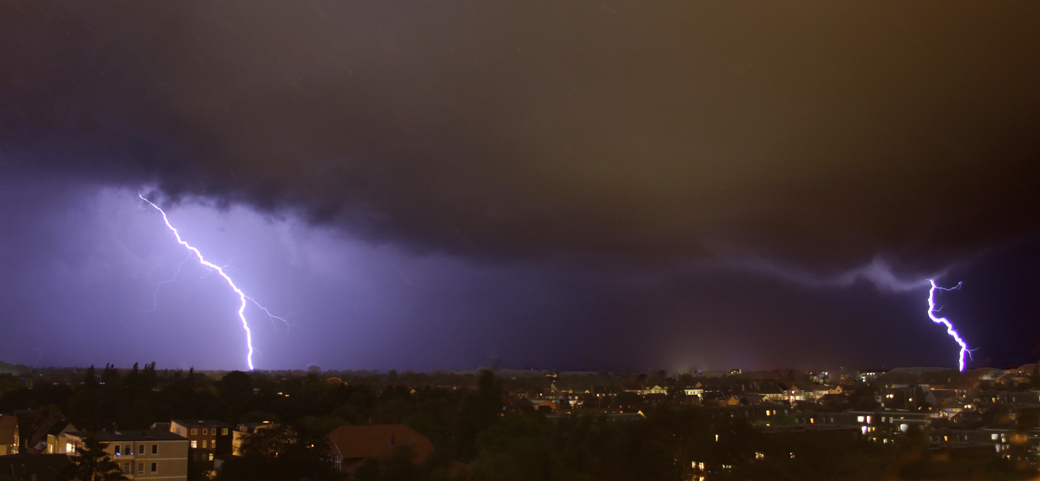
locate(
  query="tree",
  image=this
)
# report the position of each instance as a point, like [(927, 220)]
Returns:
[(90, 378), (93, 463), (478, 412), (280, 453)]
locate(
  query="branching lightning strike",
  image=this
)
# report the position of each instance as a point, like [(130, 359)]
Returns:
[(158, 286), (243, 298), (932, 310)]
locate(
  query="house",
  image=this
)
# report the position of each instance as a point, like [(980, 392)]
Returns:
[(772, 393), (8, 434), (816, 392), (56, 435), (694, 391), (207, 437), (793, 393), (1008, 397), (657, 389), (243, 431), (34, 436), (141, 454), (352, 445), (730, 400)]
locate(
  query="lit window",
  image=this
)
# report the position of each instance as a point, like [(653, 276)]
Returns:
[(859, 419), (194, 443), (203, 444), (211, 456)]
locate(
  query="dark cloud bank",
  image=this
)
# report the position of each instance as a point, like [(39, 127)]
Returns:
[(817, 135)]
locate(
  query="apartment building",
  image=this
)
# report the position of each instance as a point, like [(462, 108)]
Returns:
[(206, 437), (151, 455)]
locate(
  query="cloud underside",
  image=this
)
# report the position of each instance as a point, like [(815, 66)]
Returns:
[(823, 135)]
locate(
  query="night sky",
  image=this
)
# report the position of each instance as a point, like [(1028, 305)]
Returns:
[(575, 185)]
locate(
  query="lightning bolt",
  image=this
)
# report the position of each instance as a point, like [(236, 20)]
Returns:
[(932, 311), (158, 286), (242, 297)]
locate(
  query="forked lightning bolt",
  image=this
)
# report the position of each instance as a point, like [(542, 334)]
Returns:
[(158, 286), (942, 320), (242, 297)]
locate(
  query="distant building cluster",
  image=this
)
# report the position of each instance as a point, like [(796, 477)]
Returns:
[(986, 408), (983, 412)]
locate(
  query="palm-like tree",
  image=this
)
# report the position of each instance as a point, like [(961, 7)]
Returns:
[(93, 463)]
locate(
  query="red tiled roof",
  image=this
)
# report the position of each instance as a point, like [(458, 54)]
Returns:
[(379, 441)]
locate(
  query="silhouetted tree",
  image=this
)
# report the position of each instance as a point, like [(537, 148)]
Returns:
[(93, 463), (280, 453)]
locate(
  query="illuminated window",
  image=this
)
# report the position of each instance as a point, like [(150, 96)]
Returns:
[(211, 456), (859, 419), (203, 444), (194, 443)]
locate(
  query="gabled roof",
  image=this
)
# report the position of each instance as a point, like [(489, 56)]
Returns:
[(379, 441), (58, 427)]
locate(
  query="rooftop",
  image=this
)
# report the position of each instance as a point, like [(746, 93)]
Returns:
[(130, 435)]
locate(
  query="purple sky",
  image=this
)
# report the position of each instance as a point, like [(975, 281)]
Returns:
[(579, 186)]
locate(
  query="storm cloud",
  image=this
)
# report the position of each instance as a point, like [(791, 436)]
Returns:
[(690, 183), (822, 134)]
